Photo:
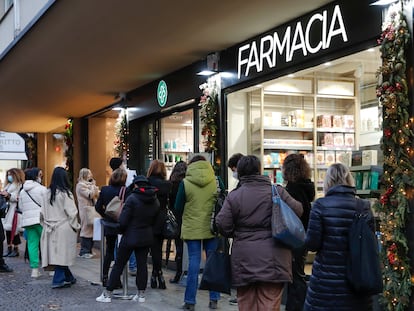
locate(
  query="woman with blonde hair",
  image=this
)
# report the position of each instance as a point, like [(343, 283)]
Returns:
[(327, 235), (157, 177), (86, 193), (12, 222)]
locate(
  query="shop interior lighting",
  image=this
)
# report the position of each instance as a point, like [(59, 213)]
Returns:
[(206, 73), (383, 2)]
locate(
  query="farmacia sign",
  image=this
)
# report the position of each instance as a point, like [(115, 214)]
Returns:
[(306, 37)]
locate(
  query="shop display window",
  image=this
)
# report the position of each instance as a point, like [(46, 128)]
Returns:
[(328, 113)]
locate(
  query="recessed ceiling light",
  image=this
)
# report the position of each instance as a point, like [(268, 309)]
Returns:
[(371, 50), (327, 64)]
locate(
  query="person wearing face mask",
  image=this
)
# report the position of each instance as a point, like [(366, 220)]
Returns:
[(232, 165), (30, 204), (12, 222)]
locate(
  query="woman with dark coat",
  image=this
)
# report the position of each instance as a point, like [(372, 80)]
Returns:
[(136, 222), (110, 226), (297, 172), (157, 174), (260, 266), (327, 235), (177, 175)]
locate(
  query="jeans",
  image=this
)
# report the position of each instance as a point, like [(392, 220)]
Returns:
[(194, 259), (86, 246), (62, 275), (132, 262)]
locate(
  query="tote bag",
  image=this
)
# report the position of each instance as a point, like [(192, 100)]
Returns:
[(363, 268), (114, 208), (287, 228), (217, 269)]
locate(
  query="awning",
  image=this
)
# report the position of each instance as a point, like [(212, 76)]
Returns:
[(12, 147), (13, 156)]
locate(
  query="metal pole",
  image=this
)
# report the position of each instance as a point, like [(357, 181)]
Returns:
[(103, 250)]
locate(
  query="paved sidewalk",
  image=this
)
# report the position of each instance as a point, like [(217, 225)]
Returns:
[(18, 291)]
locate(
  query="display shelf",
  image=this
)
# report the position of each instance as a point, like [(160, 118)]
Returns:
[(334, 130), (288, 129)]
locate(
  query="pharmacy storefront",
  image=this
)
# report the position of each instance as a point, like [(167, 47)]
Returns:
[(309, 86), (12, 153)]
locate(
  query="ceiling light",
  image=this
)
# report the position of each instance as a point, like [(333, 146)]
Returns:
[(371, 50), (327, 64), (291, 75), (206, 73), (383, 2)]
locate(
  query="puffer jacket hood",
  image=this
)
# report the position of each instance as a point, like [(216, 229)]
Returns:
[(200, 173), (147, 194), (30, 185)]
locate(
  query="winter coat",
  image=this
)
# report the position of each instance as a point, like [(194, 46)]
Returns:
[(60, 229), (304, 192), (30, 205), (327, 235), (111, 226), (164, 187), (14, 190), (138, 217), (195, 200), (246, 217), (86, 193)]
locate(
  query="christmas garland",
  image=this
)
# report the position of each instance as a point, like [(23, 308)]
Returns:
[(121, 135), (398, 177), (209, 115), (68, 137)]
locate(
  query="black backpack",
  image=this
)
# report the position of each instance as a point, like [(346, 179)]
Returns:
[(363, 269)]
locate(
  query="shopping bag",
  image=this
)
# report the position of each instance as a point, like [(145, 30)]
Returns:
[(217, 269), (287, 228), (114, 208), (363, 268)]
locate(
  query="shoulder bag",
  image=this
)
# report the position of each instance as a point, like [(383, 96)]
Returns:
[(114, 208), (217, 269), (4, 206), (171, 228), (287, 228), (363, 268)]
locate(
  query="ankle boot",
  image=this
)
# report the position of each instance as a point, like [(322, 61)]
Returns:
[(14, 253), (9, 251), (176, 278), (161, 281), (154, 280)]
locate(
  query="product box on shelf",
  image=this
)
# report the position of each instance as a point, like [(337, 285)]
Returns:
[(337, 121), (329, 157), (309, 158), (276, 119), (349, 139), (321, 177), (369, 157), (327, 139), (348, 121), (365, 180), (320, 157), (324, 121), (338, 139), (344, 157), (275, 156), (267, 160), (356, 158)]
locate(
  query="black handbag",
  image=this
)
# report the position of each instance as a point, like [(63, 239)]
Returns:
[(4, 207), (171, 229), (217, 270), (363, 269)]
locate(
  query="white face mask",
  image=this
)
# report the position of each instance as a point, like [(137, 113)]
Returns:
[(235, 176)]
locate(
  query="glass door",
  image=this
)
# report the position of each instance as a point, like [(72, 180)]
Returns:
[(177, 138)]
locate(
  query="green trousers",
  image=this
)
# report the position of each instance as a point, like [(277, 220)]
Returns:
[(33, 234)]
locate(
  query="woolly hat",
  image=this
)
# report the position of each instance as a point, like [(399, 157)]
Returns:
[(140, 179)]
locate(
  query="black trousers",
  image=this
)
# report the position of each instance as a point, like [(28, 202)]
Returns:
[(156, 254), (122, 257), (109, 254), (296, 291), (2, 237)]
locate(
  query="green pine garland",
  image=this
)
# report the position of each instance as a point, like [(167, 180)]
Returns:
[(398, 178), (209, 116), (121, 133)]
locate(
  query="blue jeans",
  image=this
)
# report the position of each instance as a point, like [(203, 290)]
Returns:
[(132, 262), (62, 275), (194, 259)]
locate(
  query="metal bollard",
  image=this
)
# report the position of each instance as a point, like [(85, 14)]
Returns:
[(124, 295)]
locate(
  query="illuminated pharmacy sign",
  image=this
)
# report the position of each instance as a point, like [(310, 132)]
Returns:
[(305, 37)]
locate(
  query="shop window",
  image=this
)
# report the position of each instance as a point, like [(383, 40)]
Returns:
[(328, 113)]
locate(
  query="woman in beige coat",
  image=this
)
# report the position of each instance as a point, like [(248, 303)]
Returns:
[(86, 193), (59, 218)]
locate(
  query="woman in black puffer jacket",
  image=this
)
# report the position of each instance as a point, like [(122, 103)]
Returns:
[(327, 235)]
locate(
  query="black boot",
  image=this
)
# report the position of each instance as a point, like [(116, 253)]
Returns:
[(161, 281), (154, 280), (5, 268), (14, 253), (9, 251), (176, 278), (179, 270)]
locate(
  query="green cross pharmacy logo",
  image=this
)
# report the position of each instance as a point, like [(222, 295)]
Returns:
[(162, 93)]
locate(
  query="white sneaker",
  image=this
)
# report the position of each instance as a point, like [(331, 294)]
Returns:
[(104, 298), (140, 297), (35, 273)]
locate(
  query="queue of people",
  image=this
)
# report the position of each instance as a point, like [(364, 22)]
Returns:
[(53, 218)]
